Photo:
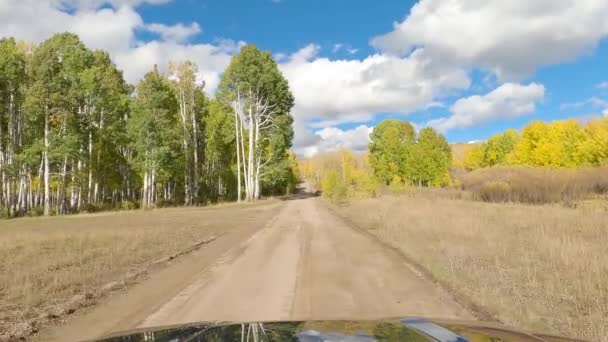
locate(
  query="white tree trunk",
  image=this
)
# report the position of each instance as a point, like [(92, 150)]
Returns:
[(258, 160), (251, 151), (144, 196), (183, 113), (98, 166), (90, 185), (196, 188), (47, 185), (238, 155)]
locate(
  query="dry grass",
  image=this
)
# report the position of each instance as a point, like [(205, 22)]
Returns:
[(543, 268), (46, 261), (536, 185)]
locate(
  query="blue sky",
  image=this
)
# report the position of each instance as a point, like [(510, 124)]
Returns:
[(468, 68)]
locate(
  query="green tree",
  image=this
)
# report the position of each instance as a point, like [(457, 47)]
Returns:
[(12, 90), (103, 130), (54, 101), (430, 159), (496, 150), (261, 101), (155, 133), (220, 161), (390, 149)]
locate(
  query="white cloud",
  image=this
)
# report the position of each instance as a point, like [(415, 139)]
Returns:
[(176, 33), (32, 20), (507, 101), (113, 29), (593, 101), (333, 138), (602, 85), (211, 60), (94, 4), (336, 91), (305, 54), (510, 38), (341, 46)]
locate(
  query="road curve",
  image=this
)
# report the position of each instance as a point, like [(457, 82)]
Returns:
[(306, 263)]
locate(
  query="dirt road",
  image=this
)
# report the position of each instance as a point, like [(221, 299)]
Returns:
[(305, 263)]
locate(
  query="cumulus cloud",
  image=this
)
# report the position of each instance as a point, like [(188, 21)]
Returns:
[(211, 60), (338, 91), (333, 138), (507, 101), (510, 38), (602, 85), (33, 20), (113, 29), (176, 33)]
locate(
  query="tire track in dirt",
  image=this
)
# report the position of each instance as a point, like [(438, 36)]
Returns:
[(306, 263)]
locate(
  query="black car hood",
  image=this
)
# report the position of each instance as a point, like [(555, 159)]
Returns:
[(406, 329)]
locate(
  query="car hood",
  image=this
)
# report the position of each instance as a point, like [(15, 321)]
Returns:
[(404, 329)]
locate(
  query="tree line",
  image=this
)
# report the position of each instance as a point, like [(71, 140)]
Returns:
[(398, 158), (75, 136), (566, 144)]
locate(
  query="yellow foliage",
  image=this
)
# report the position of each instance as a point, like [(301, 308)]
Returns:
[(473, 159), (340, 174), (397, 185), (593, 150)]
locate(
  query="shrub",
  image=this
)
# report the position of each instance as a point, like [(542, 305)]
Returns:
[(397, 186), (36, 211), (96, 207), (129, 205), (536, 185), (165, 203)]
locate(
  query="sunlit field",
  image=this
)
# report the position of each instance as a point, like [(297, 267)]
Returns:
[(543, 268)]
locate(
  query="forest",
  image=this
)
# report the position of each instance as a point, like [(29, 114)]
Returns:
[(76, 137)]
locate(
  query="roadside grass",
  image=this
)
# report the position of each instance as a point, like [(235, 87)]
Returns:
[(542, 267), (45, 262)]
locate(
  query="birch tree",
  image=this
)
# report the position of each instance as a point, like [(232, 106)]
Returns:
[(12, 88), (261, 101), (155, 135), (190, 98)]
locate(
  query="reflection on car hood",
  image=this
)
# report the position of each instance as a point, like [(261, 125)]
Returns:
[(407, 329)]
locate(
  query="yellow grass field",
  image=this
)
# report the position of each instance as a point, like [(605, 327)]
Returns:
[(543, 268), (47, 262)]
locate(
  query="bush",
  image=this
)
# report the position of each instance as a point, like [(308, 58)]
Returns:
[(36, 211), (129, 205), (96, 207), (536, 185), (165, 203), (397, 186), (333, 187), (4, 213)]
